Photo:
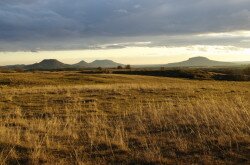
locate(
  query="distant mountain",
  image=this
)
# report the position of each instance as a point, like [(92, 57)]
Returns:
[(48, 64), (96, 64), (21, 66), (53, 64), (199, 62), (104, 64), (81, 64)]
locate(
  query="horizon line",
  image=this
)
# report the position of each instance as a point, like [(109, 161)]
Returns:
[(119, 62)]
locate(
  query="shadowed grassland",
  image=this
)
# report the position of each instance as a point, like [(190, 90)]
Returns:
[(224, 74), (73, 118)]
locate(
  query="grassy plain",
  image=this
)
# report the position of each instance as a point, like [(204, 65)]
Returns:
[(74, 118)]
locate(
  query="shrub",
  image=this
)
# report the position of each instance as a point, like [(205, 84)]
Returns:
[(99, 68), (247, 71), (127, 67), (119, 67)]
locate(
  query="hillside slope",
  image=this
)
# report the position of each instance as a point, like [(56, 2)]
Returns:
[(199, 62)]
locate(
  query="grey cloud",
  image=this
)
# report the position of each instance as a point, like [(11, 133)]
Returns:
[(67, 24)]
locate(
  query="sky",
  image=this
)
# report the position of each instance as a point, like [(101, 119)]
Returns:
[(127, 31)]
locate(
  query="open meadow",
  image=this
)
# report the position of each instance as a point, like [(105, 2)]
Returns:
[(75, 118)]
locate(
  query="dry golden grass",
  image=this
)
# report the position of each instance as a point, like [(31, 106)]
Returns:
[(72, 118)]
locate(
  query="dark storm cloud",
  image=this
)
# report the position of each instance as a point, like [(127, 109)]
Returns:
[(26, 24)]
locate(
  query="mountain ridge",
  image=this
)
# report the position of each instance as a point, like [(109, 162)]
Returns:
[(81, 64), (199, 61), (53, 64), (48, 64)]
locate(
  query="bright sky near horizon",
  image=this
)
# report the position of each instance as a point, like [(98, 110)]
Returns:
[(126, 31), (130, 55)]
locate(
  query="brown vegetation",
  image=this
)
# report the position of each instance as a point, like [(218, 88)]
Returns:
[(228, 74), (74, 118)]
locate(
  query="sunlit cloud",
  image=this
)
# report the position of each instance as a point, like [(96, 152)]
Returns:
[(125, 30), (226, 34), (69, 25)]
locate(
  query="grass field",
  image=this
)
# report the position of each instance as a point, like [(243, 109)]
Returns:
[(74, 118)]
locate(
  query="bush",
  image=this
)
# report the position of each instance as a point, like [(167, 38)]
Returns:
[(99, 68), (19, 70), (247, 71), (127, 67), (119, 67)]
